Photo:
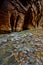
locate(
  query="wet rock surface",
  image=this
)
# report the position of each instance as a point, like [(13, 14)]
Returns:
[(22, 48)]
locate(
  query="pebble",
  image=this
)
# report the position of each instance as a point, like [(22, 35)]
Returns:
[(30, 34), (37, 39)]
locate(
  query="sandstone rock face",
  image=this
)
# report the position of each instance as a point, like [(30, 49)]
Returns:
[(4, 21), (6, 12), (5, 15)]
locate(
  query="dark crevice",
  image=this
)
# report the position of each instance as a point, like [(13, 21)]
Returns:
[(24, 2), (12, 21), (17, 20), (28, 19)]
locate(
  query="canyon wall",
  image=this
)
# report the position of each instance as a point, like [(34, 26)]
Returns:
[(7, 10)]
